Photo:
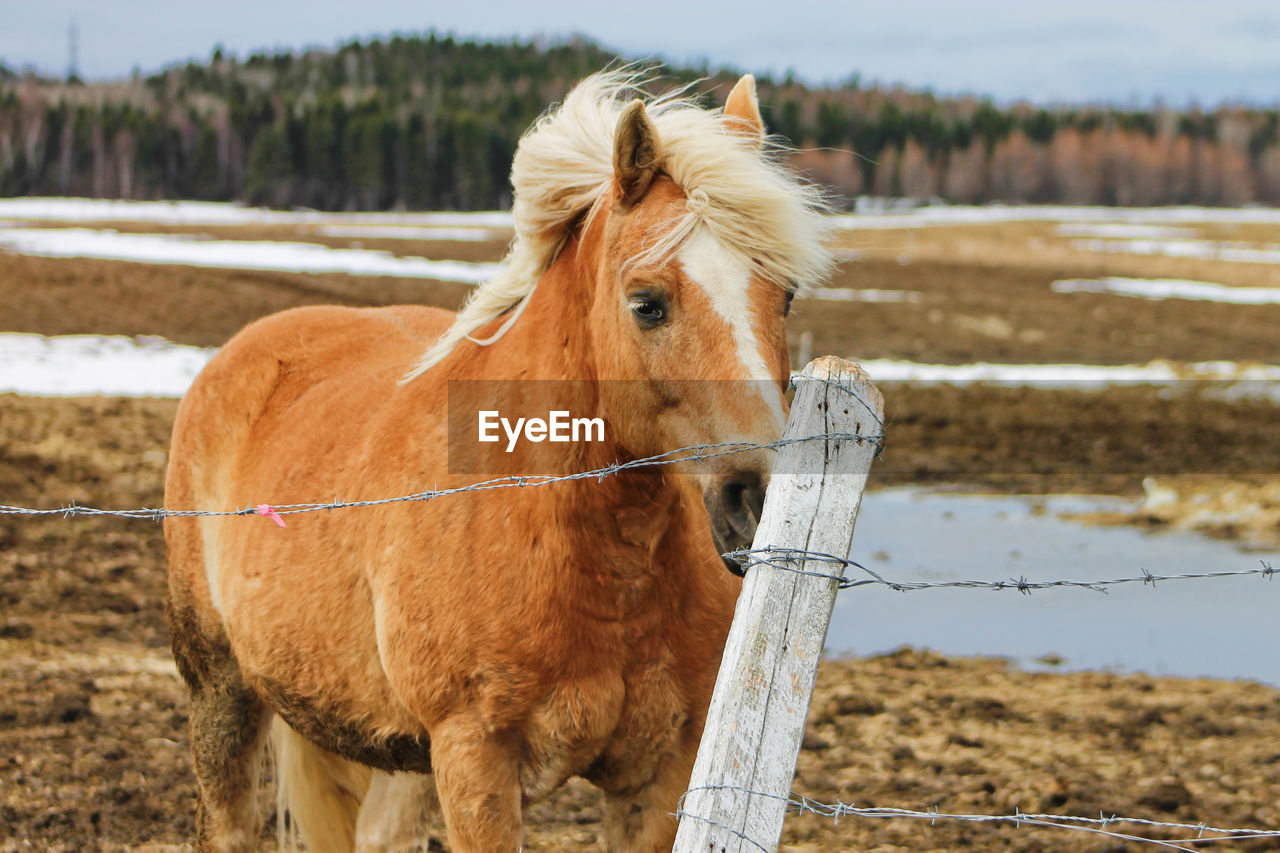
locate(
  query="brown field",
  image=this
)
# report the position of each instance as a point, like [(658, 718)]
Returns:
[(92, 715)]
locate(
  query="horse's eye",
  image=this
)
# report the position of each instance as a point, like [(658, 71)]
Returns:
[(786, 308), (649, 310)]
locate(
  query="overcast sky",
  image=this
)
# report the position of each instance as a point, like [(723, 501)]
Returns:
[(1082, 50)]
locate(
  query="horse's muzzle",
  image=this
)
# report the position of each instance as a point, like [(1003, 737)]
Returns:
[(734, 503)]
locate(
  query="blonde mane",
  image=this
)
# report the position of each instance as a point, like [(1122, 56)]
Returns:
[(563, 167)]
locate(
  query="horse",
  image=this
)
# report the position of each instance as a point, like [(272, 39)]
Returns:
[(480, 648)]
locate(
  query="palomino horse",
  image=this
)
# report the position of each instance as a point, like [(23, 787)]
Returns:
[(500, 640)]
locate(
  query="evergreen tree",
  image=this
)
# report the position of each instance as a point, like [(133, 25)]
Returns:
[(266, 180), (206, 181), (432, 122)]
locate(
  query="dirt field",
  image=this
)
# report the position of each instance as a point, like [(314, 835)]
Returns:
[(93, 751), (985, 296)]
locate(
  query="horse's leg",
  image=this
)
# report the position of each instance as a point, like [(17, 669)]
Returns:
[(478, 782), (640, 820), (228, 732), (228, 724), (400, 813)]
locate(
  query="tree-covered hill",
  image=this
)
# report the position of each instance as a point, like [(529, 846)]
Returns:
[(431, 122)]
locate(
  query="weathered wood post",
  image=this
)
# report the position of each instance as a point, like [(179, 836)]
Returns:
[(742, 778)]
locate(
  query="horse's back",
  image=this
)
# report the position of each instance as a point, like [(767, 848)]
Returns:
[(272, 363), (322, 342), (279, 390)]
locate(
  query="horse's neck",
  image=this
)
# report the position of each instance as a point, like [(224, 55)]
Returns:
[(552, 341), (552, 337)]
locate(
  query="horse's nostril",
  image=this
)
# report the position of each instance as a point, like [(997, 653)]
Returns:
[(732, 494), (735, 506), (742, 498)]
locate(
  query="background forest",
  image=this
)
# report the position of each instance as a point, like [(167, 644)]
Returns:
[(431, 123)]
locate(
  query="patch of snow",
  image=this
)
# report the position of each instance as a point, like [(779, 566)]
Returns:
[(848, 294), (980, 215), (410, 232), (73, 365), (1125, 231), (77, 365), (1209, 250), (220, 213), (1171, 288), (1067, 375), (232, 254)]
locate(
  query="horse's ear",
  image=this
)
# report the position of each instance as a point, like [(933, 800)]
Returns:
[(742, 110), (635, 153)]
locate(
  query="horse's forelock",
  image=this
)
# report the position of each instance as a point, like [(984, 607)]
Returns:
[(562, 172)]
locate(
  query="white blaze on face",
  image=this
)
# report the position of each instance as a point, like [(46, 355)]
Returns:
[(726, 280)]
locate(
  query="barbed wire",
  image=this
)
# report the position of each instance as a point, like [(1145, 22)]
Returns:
[(831, 383), (786, 559), (795, 559), (691, 453), (799, 805)]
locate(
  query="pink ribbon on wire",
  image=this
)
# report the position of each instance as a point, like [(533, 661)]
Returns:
[(269, 512)]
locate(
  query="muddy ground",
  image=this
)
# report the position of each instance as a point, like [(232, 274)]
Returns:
[(93, 751), (985, 304)]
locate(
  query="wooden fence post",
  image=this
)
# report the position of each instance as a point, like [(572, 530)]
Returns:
[(742, 778)]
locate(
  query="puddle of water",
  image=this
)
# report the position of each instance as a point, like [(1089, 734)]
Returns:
[(1222, 628)]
